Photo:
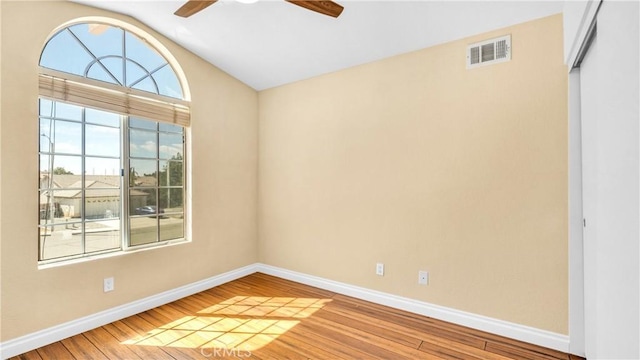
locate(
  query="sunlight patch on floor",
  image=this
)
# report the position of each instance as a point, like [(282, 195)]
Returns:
[(246, 322)]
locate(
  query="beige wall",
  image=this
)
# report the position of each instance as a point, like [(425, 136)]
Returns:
[(419, 163), (224, 185)]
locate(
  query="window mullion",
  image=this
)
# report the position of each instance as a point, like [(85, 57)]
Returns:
[(83, 192), (125, 162), (124, 58), (158, 183)]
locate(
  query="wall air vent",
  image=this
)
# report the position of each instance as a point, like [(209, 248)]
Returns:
[(489, 52)]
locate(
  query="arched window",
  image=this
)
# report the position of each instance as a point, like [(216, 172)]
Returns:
[(112, 121), (111, 54)]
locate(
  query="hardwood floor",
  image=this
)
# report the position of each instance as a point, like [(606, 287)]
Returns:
[(264, 317)]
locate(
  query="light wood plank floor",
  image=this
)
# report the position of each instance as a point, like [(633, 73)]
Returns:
[(264, 317)]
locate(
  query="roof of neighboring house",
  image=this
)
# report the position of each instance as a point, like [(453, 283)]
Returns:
[(66, 181), (146, 181), (94, 188)]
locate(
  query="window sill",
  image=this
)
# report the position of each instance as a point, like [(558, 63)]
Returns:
[(54, 263)]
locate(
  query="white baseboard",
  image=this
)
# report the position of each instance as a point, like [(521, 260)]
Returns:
[(499, 327), (50, 335)]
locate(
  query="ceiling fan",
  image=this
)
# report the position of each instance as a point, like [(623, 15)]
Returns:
[(329, 8)]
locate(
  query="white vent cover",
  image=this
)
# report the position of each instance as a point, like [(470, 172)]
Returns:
[(489, 52)]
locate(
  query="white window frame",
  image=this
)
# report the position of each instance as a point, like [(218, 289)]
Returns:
[(127, 102)]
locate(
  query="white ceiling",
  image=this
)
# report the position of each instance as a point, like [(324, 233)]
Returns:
[(272, 42)]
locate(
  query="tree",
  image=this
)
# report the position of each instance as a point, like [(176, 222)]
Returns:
[(133, 176), (171, 174), (61, 171)]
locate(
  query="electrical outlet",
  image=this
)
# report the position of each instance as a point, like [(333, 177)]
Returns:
[(108, 284), (380, 269), (423, 277)]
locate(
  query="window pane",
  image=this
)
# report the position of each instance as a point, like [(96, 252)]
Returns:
[(109, 169), (102, 235), (63, 52), (143, 124), (62, 137), (102, 204), (46, 108), (102, 117), (168, 83), (102, 140), (59, 240), (171, 200), (45, 144), (147, 175), (67, 111), (63, 209), (143, 172), (60, 207), (143, 144), (171, 227), (171, 173), (171, 146), (143, 230), (66, 171), (170, 128), (142, 53), (142, 202)]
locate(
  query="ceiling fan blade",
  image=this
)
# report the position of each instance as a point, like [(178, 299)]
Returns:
[(193, 6), (323, 7)]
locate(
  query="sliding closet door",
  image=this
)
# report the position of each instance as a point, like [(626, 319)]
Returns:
[(588, 113), (610, 109)]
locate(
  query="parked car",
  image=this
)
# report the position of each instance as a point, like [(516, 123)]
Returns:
[(148, 210)]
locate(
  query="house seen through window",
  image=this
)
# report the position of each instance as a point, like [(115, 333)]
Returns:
[(112, 122)]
